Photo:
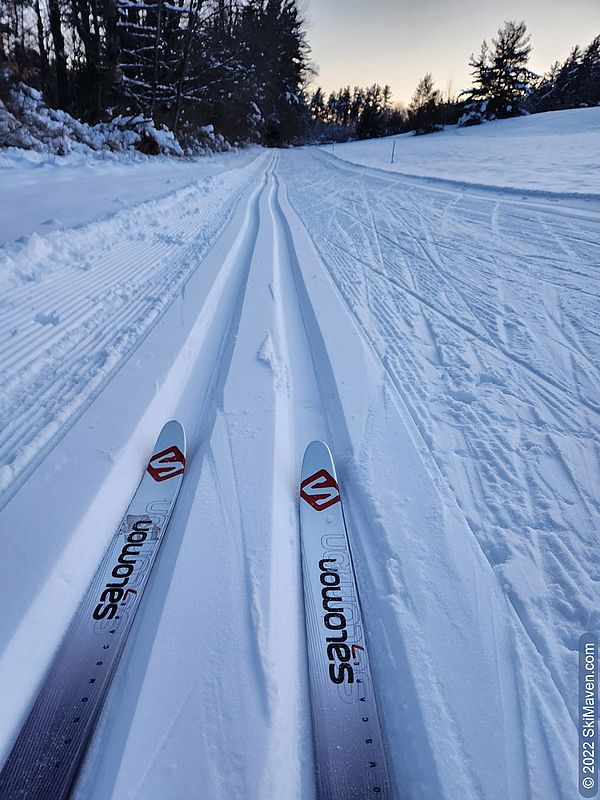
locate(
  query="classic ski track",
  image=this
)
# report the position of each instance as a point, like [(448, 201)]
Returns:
[(302, 391), (243, 550), (216, 358), (370, 571), (299, 415), (84, 333), (307, 391), (280, 704)]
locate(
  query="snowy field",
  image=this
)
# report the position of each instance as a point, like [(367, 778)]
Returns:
[(555, 152), (441, 333)]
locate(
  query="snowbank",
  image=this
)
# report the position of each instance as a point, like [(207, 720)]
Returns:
[(42, 192), (27, 123)]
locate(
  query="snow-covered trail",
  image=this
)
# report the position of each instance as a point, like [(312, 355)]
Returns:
[(40, 195), (87, 302), (276, 390), (444, 342), (485, 312)]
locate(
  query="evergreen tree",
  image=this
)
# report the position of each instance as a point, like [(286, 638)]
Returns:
[(572, 84), (344, 106), (355, 114), (588, 78), (317, 105), (371, 121), (502, 82), (275, 58)]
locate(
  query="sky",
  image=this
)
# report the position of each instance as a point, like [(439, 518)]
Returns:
[(360, 42)]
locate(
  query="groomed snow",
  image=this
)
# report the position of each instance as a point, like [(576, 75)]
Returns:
[(41, 193), (555, 152), (442, 338)]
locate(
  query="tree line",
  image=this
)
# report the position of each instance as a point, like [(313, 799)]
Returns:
[(243, 66), (502, 86), (240, 65)]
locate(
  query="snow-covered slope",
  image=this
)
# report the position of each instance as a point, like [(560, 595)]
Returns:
[(552, 152), (443, 340)]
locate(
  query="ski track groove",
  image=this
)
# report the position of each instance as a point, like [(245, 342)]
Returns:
[(370, 572), (225, 314), (230, 336)]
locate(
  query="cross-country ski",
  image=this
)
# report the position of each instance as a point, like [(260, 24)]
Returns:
[(349, 749), (45, 759)]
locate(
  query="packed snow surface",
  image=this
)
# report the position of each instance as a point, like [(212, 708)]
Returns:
[(442, 337), (545, 153), (39, 194)]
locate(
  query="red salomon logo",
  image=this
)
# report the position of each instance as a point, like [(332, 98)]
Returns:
[(320, 490), (166, 464)]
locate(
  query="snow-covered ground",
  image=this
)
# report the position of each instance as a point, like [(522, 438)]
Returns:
[(39, 193), (442, 338), (555, 152)]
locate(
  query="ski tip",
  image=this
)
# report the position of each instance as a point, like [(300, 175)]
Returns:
[(318, 484), (172, 434), (176, 431), (316, 443), (317, 455)]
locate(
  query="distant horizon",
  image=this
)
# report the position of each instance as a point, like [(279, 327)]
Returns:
[(396, 43)]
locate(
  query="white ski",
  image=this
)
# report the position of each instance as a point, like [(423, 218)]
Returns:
[(45, 759), (349, 747)]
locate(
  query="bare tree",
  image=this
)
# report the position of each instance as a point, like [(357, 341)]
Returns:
[(60, 55), (424, 105)]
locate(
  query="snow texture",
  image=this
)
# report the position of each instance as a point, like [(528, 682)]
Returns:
[(554, 152), (441, 337)]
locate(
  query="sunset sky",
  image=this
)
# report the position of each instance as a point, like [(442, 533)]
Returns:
[(398, 41)]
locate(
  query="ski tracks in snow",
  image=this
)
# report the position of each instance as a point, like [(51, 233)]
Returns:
[(485, 328), (445, 345), (294, 366)]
